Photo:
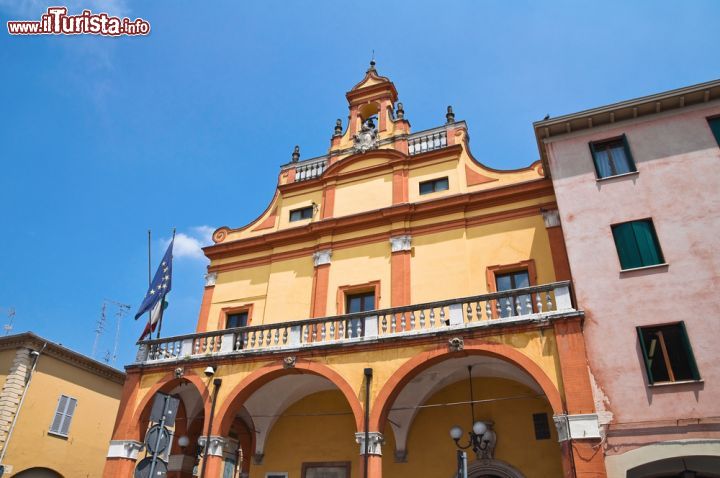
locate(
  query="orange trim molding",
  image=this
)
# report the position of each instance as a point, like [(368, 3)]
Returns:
[(205, 309), (242, 391), (474, 178), (269, 221), (422, 361), (318, 301), (400, 278)]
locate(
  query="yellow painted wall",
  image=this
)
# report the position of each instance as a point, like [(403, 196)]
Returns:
[(359, 265), (296, 201), (290, 290), (364, 194), (318, 428), (431, 452), (82, 453), (453, 263), (437, 170)]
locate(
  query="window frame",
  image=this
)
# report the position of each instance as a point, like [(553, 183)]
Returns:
[(302, 211), (714, 129), (226, 312), (690, 355), (608, 141), (65, 416), (346, 291), (541, 426), (658, 248), (492, 272), (325, 464), (434, 183)]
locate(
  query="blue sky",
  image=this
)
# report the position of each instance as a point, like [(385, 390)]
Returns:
[(102, 139)]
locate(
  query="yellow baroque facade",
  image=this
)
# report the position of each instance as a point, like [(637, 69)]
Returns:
[(392, 289)]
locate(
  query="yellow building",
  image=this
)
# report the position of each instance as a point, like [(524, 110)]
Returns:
[(392, 289), (56, 409)]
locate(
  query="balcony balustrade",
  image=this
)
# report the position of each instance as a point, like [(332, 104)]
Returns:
[(427, 141), (527, 305), (309, 169)]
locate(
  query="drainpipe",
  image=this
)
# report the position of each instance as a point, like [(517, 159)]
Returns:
[(217, 382), (36, 355), (368, 377)]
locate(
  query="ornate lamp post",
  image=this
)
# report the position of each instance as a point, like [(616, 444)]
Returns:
[(482, 438)]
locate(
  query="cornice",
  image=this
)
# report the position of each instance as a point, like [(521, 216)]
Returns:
[(382, 217), (31, 341)]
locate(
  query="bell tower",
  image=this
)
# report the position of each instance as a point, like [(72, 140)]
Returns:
[(375, 116)]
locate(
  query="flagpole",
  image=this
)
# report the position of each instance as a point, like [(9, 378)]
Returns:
[(162, 303), (149, 323)]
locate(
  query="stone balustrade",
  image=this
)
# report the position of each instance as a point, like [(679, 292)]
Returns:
[(537, 303)]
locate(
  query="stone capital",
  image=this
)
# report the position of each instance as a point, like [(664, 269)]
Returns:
[(322, 257), (218, 444), (375, 441), (551, 217), (577, 427), (128, 449), (400, 243), (210, 279)]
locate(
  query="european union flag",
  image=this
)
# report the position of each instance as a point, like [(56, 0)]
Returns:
[(159, 287)]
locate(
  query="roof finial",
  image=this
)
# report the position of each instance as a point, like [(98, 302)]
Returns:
[(372, 62), (450, 115), (296, 154), (338, 127)]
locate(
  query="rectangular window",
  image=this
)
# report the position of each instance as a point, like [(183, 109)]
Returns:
[(715, 127), (637, 244), (237, 319), (326, 470), (302, 213), (510, 281), (358, 303), (63, 415), (541, 425), (612, 157), (434, 185), (667, 353)]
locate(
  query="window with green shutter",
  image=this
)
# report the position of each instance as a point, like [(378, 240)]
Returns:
[(715, 127), (637, 244), (63, 415), (667, 353)]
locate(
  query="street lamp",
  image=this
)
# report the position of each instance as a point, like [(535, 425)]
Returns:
[(482, 438)]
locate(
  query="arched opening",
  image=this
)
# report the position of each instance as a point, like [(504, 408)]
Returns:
[(679, 467), (294, 418), (433, 394), (38, 473), (184, 452)]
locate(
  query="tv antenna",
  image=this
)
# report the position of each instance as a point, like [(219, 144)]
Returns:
[(120, 311), (11, 317)]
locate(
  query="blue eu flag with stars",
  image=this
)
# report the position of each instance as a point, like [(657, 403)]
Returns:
[(159, 287)]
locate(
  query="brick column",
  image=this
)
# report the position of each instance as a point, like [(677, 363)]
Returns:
[(12, 390), (202, 324), (400, 250), (321, 276), (561, 264), (578, 429)]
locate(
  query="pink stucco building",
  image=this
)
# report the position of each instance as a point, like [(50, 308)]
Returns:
[(637, 190)]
